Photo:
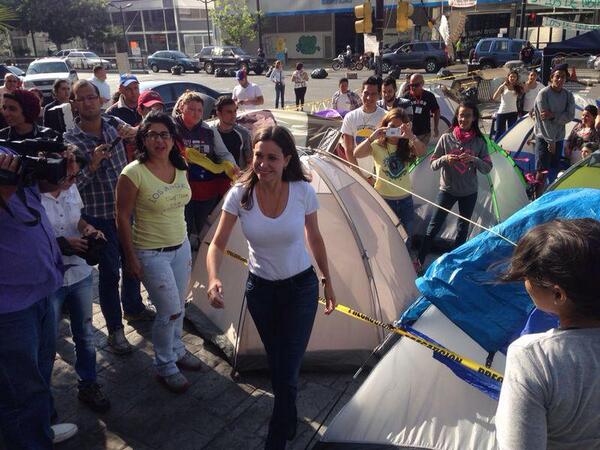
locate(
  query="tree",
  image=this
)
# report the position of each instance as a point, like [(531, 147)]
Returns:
[(63, 20), (234, 20)]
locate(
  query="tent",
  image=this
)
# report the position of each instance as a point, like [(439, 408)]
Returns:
[(583, 45), (411, 400), (519, 141), (501, 193), (586, 173), (369, 264)]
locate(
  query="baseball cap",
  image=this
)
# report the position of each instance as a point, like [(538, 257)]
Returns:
[(564, 67), (149, 98), (240, 75), (125, 79)]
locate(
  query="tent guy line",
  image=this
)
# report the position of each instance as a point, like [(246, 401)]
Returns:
[(440, 350), (355, 166)]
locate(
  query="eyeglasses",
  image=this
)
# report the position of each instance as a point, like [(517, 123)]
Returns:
[(153, 135), (89, 98)]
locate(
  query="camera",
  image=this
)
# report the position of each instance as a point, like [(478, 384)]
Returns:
[(32, 168), (95, 246), (392, 132)]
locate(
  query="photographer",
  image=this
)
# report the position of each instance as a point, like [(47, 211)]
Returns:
[(21, 110), (101, 144), (31, 271), (77, 238)]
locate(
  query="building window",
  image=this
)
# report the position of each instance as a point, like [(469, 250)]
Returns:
[(133, 20), (191, 14), (154, 20), (170, 19), (317, 22), (290, 24), (269, 24)]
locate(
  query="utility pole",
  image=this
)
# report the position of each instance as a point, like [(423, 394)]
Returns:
[(523, 6), (379, 25), (258, 24), (206, 2)]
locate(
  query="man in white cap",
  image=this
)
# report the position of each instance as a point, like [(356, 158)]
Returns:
[(247, 95)]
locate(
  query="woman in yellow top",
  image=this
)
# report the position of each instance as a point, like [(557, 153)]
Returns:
[(394, 148), (154, 189)]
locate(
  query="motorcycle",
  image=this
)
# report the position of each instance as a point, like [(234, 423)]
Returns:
[(339, 63)]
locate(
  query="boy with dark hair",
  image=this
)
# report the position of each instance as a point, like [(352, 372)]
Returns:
[(344, 99)]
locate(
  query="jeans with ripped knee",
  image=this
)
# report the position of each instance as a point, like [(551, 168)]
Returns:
[(166, 277)]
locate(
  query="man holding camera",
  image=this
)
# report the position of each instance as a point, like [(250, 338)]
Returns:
[(31, 271), (99, 140)]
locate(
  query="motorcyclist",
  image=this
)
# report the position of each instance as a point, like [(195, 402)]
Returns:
[(348, 56)]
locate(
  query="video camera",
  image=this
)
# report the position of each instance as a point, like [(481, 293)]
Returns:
[(51, 167)]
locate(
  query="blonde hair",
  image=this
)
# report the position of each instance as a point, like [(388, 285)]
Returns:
[(185, 98)]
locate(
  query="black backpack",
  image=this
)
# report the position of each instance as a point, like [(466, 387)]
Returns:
[(220, 72), (319, 73)]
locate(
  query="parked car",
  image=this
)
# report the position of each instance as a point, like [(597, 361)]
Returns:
[(428, 55), (42, 73), (165, 59), (171, 90), (495, 52), (387, 48), (4, 69), (228, 57), (65, 52), (86, 60)]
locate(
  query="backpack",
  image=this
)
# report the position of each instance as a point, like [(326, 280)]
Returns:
[(220, 72), (319, 73)]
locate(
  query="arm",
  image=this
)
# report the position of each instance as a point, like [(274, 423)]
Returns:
[(439, 157), (498, 92), (9, 163), (436, 122), (317, 247), (215, 256), (126, 197), (349, 146), (483, 162), (569, 113), (272, 76)]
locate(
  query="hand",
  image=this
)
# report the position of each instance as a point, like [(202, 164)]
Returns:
[(547, 115), (406, 130), (127, 131), (215, 294), (78, 244), (241, 102), (452, 158), (532, 113), (89, 230), (552, 147), (377, 134), (99, 154), (134, 268), (329, 298), (466, 157)]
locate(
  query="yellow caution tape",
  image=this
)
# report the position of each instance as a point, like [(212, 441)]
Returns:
[(195, 156), (436, 348)]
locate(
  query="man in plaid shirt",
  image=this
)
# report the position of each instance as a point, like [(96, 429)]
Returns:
[(93, 134)]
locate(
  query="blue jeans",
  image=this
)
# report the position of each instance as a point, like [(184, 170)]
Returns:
[(166, 277), (78, 298), (546, 160), (27, 347), (111, 261), (279, 93), (284, 312), (405, 211), (504, 122), (466, 206)]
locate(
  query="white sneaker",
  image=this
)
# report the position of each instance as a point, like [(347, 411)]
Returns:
[(63, 431)]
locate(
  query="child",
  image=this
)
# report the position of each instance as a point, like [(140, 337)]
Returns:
[(587, 149), (551, 390)]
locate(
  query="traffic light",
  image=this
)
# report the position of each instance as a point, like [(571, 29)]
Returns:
[(403, 12), (365, 14)]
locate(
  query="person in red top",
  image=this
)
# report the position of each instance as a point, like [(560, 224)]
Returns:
[(207, 187), (149, 101)]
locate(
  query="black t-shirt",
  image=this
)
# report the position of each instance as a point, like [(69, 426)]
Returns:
[(10, 134), (233, 142), (422, 108)]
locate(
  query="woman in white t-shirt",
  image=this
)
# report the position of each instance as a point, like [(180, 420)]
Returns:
[(508, 93), (276, 205), (278, 78), (299, 78), (531, 90)]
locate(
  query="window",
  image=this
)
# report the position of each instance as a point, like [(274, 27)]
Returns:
[(516, 46), (154, 20), (206, 51), (501, 46), (190, 14), (317, 22), (291, 24), (485, 46), (47, 67), (419, 47), (165, 93)]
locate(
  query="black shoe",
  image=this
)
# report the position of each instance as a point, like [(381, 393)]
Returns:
[(93, 397)]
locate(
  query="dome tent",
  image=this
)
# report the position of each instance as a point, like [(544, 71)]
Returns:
[(586, 173), (412, 401), (369, 264), (501, 193)]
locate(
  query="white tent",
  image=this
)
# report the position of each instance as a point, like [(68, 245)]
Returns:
[(411, 400), (501, 193), (369, 264)]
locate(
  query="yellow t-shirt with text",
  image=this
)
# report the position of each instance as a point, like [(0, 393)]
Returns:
[(389, 167), (159, 219)]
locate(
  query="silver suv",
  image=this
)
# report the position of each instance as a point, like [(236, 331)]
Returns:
[(42, 73)]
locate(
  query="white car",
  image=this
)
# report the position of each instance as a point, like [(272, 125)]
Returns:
[(43, 72), (86, 60)]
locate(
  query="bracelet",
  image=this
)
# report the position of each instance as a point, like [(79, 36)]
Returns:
[(323, 281)]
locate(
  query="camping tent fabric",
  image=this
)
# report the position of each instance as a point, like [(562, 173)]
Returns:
[(369, 264), (583, 45), (462, 283), (501, 193), (412, 401), (586, 173)]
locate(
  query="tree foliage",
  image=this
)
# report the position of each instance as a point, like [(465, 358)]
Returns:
[(63, 20), (235, 21)]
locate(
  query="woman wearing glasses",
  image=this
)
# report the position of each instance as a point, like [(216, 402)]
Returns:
[(63, 208), (154, 189)]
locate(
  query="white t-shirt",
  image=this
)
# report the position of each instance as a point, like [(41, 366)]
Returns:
[(250, 92), (529, 99), (360, 124), (508, 101), (343, 103), (276, 246), (104, 90), (64, 213), (550, 397)]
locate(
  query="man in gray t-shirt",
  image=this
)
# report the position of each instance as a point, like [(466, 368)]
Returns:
[(554, 108)]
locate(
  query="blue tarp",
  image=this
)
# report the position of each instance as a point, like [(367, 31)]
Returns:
[(462, 283)]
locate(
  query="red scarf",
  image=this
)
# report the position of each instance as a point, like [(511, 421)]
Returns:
[(463, 136)]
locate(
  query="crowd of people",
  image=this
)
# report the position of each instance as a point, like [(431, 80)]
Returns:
[(140, 185)]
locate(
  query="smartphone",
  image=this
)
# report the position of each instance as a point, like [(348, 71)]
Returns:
[(392, 132), (113, 144)]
